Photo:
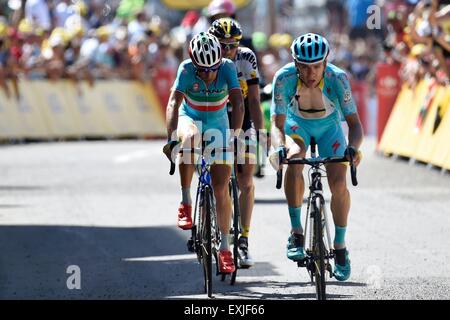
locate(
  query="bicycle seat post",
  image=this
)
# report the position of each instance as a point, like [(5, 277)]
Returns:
[(313, 147)]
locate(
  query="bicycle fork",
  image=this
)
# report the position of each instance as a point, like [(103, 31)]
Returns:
[(317, 206)]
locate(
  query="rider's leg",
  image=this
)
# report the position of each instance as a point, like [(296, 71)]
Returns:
[(189, 135), (340, 206), (294, 189), (340, 200), (294, 185), (332, 144), (247, 196), (220, 176), (246, 201)]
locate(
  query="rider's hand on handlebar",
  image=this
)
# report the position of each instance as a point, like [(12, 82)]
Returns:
[(168, 148), (278, 157), (351, 152)]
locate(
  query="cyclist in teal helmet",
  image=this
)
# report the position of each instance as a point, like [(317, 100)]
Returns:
[(310, 98), (310, 48)]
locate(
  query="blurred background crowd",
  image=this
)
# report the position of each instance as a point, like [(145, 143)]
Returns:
[(133, 39), (418, 38)]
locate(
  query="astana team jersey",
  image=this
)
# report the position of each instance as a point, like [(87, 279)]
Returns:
[(337, 101), (206, 106), (201, 102)]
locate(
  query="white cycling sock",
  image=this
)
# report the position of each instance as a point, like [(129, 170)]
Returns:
[(186, 196), (224, 242)]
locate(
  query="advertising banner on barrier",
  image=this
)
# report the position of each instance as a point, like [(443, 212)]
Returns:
[(31, 121), (419, 125), (426, 126), (393, 130), (61, 118), (92, 119), (388, 86), (63, 109), (441, 150), (409, 134), (150, 119), (9, 122)]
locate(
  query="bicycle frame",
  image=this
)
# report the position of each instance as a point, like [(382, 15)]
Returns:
[(205, 242), (316, 205), (318, 251)]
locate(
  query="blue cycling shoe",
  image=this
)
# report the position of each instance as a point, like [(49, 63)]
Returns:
[(342, 272), (295, 247)]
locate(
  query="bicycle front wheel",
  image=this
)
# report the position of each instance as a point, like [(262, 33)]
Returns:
[(206, 241), (319, 254)]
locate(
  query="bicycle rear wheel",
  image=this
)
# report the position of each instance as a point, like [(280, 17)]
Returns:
[(206, 241), (319, 254)]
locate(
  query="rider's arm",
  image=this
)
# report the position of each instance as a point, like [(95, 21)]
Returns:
[(251, 75), (349, 110), (277, 130), (254, 106), (237, 112), (355, 131), (278, 109), (175, 100), (235, 97)]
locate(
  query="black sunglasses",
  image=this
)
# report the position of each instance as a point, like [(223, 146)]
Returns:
[(229, 46), (207, 70)]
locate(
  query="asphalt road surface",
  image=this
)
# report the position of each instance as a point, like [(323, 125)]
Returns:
[(97, 220)]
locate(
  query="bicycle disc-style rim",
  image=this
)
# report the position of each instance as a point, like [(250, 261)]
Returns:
[(319, 253), (206, 243)]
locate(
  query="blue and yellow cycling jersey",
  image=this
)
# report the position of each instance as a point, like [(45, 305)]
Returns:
[(335, 87), (338, 102), (202, 102)]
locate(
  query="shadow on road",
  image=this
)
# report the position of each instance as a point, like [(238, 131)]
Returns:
[(120, 263), (34, 262), (115, 263)]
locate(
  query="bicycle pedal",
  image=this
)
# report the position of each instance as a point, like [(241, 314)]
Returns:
[(190, 245), (301, 263), (330, 270)]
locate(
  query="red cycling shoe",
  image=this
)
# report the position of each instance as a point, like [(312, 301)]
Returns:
[(184, 216), (226, 263)]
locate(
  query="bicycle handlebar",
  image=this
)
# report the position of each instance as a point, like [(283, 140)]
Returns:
[(317, 162), (199, 151)]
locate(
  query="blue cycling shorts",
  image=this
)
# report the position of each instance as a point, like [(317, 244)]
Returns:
[(216, 134), (327, 132)]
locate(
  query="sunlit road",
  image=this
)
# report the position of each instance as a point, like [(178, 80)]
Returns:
[(109, 208)]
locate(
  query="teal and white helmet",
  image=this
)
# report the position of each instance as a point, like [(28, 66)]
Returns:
[(310, 48), (205, 50)]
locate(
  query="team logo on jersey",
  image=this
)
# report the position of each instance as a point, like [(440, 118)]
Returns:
[(347, 96), (253, 74), (336, 146), (196, 86), (294, 128), (343, 79), (328, 90), (278, 97)]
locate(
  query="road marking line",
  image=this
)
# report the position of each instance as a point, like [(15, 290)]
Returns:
[(136, 155), (164, 258)]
